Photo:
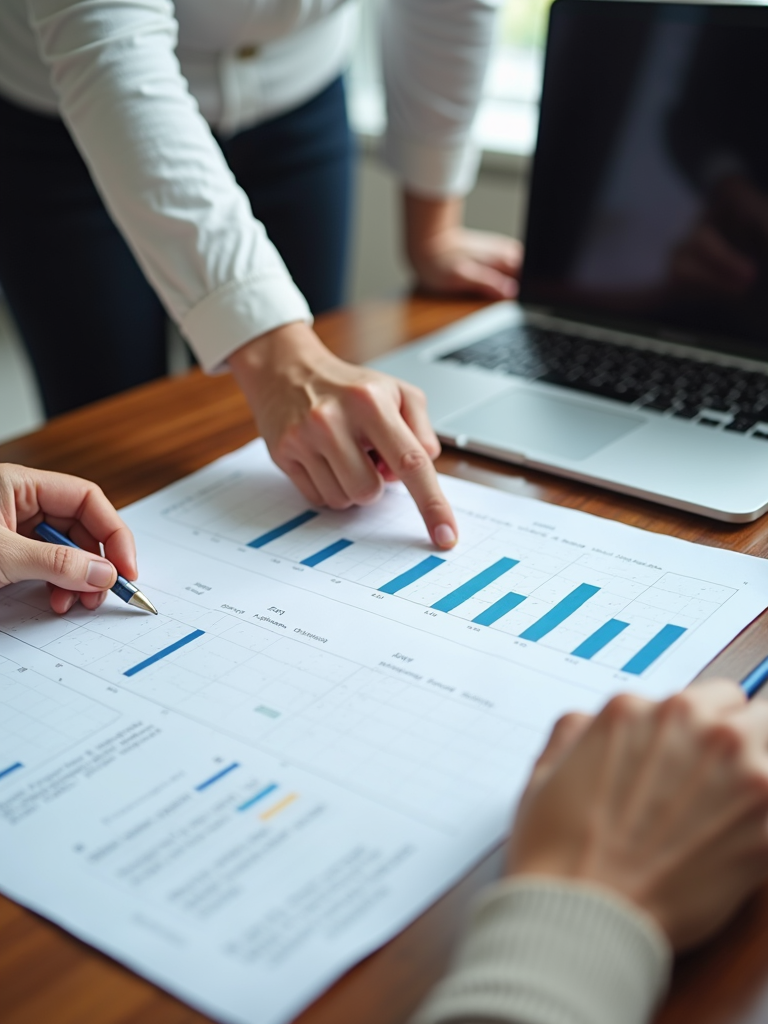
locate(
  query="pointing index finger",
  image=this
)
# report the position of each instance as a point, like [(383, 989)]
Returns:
[(406, 457)]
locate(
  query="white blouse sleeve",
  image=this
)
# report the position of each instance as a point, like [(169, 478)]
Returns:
[(434, 55), (161, 174)]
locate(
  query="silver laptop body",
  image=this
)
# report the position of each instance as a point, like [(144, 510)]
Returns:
[(637, 357)]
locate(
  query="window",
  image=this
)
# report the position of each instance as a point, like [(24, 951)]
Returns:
[(508, 116)]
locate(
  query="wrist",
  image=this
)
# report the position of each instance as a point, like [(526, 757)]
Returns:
[(287, 351), (572, 867), (427, 221)]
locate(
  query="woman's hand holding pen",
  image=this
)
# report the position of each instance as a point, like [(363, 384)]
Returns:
[(76, 508), (340, 431), (664, 804)]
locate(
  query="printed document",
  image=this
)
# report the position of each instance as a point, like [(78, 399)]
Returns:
[(328, 723)]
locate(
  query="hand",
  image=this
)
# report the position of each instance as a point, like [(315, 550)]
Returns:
[(665, 804), (76, 508), (340, 431), (449, 258)]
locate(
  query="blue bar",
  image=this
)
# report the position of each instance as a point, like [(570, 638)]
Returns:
[(560, 612), (498, 609), (411, 575), (217, 776), (259, 796), (653, 649), (12, 768), (165, 652), (280, 531), (332, 549), (600, 638), (475, 585)]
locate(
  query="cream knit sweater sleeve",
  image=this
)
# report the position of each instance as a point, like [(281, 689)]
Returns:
[(542, 951)]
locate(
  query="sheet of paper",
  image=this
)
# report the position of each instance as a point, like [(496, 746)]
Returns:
[(328, 722)]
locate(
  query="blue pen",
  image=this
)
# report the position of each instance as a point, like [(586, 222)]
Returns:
[(751, 683), (124, 589)]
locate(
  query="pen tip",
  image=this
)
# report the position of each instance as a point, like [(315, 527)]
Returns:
[(140, 601)]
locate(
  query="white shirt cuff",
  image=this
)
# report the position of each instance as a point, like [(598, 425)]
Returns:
[(239, 311), (431, 170), (545, 951)]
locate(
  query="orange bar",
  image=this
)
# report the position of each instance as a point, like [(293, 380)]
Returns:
[(279, 806)]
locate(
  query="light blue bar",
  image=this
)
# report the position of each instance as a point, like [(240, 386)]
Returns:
[(498, 609), (600, 638), (259, 796), (165, 652), (560, 612), (475, 585), (412, 575), (332, 549), (653, 649), (10, 768), (217, 776), (280, 531)]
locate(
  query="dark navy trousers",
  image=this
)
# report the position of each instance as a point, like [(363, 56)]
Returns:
[(90, 321)]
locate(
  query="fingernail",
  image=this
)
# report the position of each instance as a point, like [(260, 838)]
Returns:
[(99, 574), (445, 537)]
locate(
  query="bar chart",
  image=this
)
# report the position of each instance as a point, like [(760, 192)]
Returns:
[(588, 605)]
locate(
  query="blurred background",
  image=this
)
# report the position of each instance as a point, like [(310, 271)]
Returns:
[(505, 130)]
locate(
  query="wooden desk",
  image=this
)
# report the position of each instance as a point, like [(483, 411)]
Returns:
[(48, 977)]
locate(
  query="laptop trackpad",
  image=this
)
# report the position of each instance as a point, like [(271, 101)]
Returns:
[(532, 423)]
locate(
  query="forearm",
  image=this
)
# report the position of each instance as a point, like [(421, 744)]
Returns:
[(425, 219), (551, 952), (161, 173)]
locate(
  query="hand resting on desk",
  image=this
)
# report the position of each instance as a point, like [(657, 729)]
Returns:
[(641, 832), (665, 804), (450, 259), (75, 507)]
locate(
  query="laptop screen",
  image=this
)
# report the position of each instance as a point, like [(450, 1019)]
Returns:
[(649, 194)]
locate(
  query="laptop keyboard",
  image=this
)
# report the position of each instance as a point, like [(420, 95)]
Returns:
[(713, 396)]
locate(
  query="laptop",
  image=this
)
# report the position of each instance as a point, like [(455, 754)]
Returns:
[(637, 355)]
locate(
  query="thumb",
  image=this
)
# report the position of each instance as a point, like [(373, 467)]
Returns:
[(69, 568)]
